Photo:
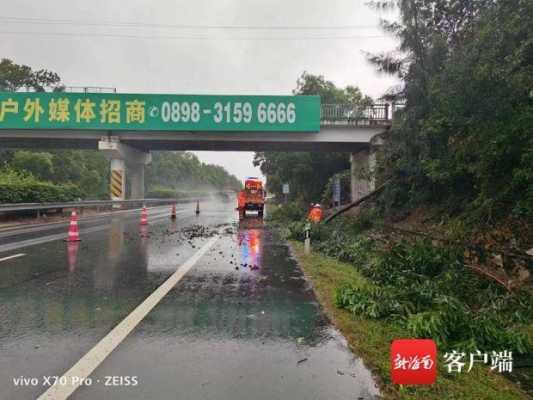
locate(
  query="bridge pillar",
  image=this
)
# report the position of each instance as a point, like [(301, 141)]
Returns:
[(136, 178), (124, 159), (362, 180)]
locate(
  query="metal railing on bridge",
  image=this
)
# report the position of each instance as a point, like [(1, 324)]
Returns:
[(348, 114)]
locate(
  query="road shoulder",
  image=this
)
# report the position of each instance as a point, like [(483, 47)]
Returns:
[(371, 339)]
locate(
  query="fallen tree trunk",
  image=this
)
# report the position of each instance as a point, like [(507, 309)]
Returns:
[(358, 202)]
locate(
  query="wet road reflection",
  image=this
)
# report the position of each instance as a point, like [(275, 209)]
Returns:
[(243, 323)]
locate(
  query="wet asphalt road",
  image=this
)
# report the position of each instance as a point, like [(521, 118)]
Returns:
[(241, 324)]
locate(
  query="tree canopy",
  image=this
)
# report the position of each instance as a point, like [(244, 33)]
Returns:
[(14, 77), (464, 136), (329, 93), (183, 171)]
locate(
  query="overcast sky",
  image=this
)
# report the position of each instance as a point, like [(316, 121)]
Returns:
[(153, 47)]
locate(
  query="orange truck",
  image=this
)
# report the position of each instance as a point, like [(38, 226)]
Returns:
[(251, 198)]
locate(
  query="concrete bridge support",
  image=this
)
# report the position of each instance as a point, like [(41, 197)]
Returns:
[(136, 178), (124, 159), (362, 181)]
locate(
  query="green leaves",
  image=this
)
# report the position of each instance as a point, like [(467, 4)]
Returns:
[(371, 302), (309, 84), (24, 188), (430, 292), (14, 77), (181, 171), (38, 164), (463, 140)]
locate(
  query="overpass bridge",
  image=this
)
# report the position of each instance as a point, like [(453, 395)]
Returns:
[(342, 128), (326, 127)]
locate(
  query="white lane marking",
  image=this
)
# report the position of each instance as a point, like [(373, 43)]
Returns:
[(75, 376), (13, 256)]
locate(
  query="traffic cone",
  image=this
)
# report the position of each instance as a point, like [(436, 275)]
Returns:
[(173, 213), (197, 207), (73, 233), (144, 216)]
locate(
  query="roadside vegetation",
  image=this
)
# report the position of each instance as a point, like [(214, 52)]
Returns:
[(20, 187), (370, 337), (182, 172), (378, 287), (426, 289), (463, 140)]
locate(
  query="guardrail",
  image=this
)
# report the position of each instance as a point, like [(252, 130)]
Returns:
[(335, 114), (4, 208)]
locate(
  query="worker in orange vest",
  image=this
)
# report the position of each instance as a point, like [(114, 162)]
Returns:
[(315, 214)]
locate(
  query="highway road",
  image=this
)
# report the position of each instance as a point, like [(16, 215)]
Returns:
[(203, 307)]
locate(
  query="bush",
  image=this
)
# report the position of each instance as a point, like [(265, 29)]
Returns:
[(16, 187), (414, 262), (372, 302), (431, 292), (38, 164), (292, 211), (340, 238), (161, 192), (353, 250)]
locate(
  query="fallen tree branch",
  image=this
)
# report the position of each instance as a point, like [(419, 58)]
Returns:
[(358, 202), (487, 274), (468, 245)]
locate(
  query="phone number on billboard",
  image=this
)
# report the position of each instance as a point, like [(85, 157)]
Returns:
[(271, 113)]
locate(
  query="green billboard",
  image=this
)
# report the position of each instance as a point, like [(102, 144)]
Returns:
[(158, 112)]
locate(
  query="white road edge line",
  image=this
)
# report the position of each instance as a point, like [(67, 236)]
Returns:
[(76, 375), (13, 256)]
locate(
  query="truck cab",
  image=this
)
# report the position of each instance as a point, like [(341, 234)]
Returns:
[(251, 198)]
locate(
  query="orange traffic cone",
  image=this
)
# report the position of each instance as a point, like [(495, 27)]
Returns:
[(144, 216), (197, 207), (73, 233), (173, 212)]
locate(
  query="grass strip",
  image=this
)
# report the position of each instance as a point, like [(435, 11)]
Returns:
[(371, 339)]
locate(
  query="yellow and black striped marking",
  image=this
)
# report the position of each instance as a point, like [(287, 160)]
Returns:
[(116, 183)]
